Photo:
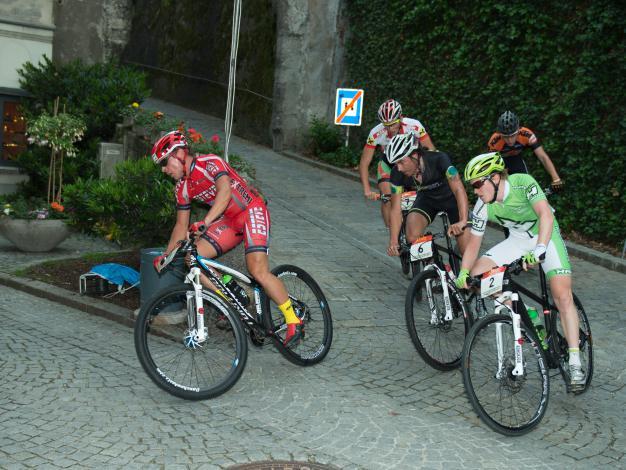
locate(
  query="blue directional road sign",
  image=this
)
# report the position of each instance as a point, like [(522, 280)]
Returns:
[(348, 107)]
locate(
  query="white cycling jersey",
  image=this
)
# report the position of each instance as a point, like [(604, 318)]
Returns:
[(378, 134)]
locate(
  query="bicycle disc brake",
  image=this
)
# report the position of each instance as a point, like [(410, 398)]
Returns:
[(191, 340)]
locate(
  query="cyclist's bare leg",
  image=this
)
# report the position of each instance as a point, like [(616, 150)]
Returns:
[(462, 240), (561, 288), (259, 267), (416, 224), (208, 251), (482, 265), (385, 207)]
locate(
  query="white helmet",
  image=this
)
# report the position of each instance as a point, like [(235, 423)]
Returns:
[(401, 146), (389, 111)]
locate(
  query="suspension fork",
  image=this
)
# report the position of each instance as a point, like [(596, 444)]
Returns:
[(193, 277), (502, 306), (446, 295)]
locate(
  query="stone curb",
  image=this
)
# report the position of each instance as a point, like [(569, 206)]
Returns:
[(574, 249), (123, 315), (70, 299)]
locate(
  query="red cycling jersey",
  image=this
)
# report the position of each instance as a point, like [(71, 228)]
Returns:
[(246, 211)]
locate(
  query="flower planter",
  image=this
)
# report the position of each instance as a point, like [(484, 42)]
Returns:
[(36, 235)]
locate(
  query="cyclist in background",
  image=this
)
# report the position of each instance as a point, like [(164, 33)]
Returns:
[(439, 189), (518, 203), (237, 213), (511, 140), (391, 123)]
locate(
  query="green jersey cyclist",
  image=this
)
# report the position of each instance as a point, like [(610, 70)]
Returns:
[(518, 203)]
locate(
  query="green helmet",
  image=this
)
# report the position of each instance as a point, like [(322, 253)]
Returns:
[(484, 165)]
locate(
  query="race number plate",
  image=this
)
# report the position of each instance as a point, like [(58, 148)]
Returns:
[(491, 282), (407, 200), (422, 248)]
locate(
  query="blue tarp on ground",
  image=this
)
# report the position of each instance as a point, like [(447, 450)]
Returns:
[(117, 274)]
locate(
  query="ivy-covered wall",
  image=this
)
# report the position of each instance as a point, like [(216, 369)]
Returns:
[(193, 38), (457, 65)]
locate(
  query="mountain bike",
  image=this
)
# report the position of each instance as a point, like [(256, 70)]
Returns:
[(505, 365), (191, 341), (437, 314)]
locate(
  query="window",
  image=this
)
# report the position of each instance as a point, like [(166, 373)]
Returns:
[(13, 138)]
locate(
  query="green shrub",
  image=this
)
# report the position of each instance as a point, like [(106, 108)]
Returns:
[(35, 162), (323, 137), (556, 66), (344, 157), (136, 208), (102, 93)]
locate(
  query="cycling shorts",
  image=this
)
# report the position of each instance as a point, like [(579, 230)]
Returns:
[(251, 225), (429, 207), (517, 245)]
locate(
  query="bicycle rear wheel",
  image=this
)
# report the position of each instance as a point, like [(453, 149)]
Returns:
[(438, 341), (193, 371), (509, 404), (585, 344), (311, 307)]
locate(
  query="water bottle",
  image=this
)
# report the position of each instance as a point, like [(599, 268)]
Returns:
[(540, 329), (236, 289)]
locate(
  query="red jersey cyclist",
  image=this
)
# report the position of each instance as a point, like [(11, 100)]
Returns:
[(391, 123), (511, 140), (237, 213)]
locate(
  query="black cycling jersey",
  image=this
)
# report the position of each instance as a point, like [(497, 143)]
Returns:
[(437, 168)]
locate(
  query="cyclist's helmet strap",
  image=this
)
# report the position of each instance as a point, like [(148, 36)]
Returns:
[(401, 146), (484, 165), (389, 111), (164, 147), (508, 123)]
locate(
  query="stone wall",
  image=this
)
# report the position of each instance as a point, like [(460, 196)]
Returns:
[(91, 30), (188, 60), (290, 56), (309, 67)]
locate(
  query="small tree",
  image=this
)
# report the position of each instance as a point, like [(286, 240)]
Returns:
[(59, 132)]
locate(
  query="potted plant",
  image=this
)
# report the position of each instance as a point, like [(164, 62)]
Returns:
[(32, 224)]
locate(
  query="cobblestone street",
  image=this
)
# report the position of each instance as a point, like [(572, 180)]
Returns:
[(74, 394)]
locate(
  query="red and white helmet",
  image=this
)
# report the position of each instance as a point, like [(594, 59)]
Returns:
[(167, 144), (389, 111)]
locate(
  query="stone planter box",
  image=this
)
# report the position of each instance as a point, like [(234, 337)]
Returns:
[(34, 235)]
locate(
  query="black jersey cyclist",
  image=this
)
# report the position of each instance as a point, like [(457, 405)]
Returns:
[(438, 185)]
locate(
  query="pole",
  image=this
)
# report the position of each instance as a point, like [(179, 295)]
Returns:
[(347, 134)]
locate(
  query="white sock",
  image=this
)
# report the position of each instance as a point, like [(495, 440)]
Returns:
[(574, 357)]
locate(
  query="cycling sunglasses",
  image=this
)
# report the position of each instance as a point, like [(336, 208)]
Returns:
[(391, 123), (479, 184), (163, 163)]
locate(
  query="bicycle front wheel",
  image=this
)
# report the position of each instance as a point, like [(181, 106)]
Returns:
[(508, 403), (180, 365), (438, 340), (311, 307)]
